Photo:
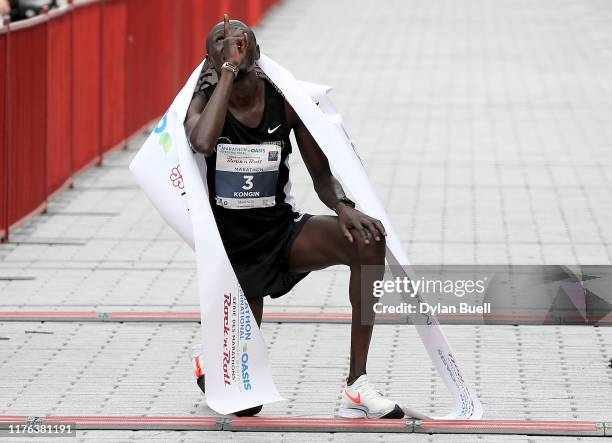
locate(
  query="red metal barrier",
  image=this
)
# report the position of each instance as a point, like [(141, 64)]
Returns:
[(253, 12), (77, 82), (163, 59), (59, 106), (138, 74), (238, 10), (27, 118), (184, 42), (86, 83), (3, 136), (207, 14), (266, 5), (114, 54)]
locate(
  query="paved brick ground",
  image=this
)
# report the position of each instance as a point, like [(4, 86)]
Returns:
[(486, 129)]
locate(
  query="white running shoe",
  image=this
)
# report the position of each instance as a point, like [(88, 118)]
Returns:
[(361, 400)]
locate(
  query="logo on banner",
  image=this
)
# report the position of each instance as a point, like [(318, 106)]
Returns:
[(237, 332), (165, 139), (467, 403), (246, 382), (245, 337), (227, 304), (177, 178)]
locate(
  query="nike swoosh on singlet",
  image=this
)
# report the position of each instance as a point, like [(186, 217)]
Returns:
[(356, 400), (270, 131)]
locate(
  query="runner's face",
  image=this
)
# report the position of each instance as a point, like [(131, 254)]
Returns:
[(214, 46)]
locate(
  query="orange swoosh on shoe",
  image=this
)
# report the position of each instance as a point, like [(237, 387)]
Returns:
[(356, 400)]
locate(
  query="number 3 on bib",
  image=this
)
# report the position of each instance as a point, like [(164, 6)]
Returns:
[(248, 182), (246, 175)]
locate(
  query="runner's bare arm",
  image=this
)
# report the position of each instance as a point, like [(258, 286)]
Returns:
[(194, 111), (205, 119), (328, 188)]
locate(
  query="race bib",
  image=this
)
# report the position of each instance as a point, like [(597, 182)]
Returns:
[(246, 175)]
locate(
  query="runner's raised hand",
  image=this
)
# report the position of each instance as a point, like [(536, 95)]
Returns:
[(235, 43)]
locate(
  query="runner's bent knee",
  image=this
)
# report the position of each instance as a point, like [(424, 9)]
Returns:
[(372, 253)]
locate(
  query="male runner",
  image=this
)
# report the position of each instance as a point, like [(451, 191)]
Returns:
[(237, 113)]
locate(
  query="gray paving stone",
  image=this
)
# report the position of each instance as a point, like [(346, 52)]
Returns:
[(129, 369)]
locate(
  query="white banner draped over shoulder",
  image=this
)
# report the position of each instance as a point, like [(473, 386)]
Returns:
[(238, 374), (234, 354)]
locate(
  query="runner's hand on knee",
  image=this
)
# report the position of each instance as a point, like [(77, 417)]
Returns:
[(374, 227), (352, 222)]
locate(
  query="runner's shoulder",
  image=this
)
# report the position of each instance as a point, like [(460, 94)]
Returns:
[(293, 120), (207, 80)]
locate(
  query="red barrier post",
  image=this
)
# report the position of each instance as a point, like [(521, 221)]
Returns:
[(163, 57), (184, 38), (206, 13), (253, 12), (101, 80), (45, 103), (239, 10), (86, 83), (114, 45), (59, 115), (137, 74), (225, 7), (3, 133), (27, 119)]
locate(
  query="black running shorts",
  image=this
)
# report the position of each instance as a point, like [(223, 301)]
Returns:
[(268, 273)]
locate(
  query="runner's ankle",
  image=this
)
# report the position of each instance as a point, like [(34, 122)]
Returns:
[(352, 378)]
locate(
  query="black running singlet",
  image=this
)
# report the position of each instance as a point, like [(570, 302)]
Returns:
[(248, 180)]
